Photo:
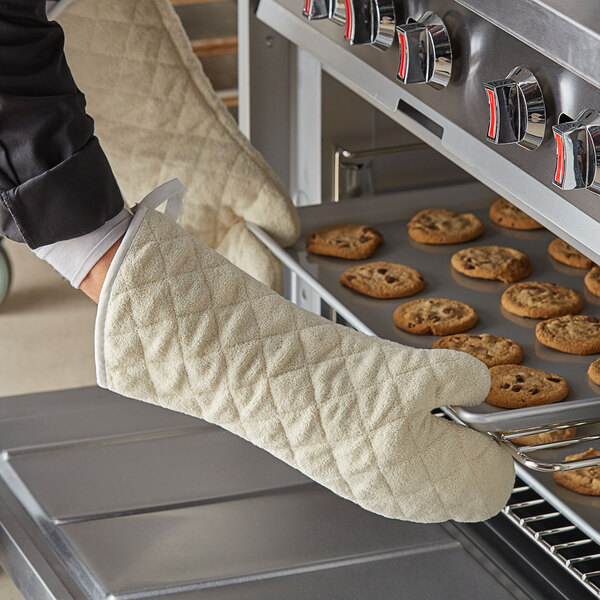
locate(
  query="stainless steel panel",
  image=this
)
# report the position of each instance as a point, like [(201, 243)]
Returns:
[(235, 539), (189, 513), (72, 416), (454, 120), (104, 478), (566, 32)]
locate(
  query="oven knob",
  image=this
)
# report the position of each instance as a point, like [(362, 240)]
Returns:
[(358, 22), (425, 51), (317, 9), (338, 11), (517, 110), (578, 152), (384, 23)]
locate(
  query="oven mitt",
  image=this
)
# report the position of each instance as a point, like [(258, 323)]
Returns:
[(158, 117), (180, 326)]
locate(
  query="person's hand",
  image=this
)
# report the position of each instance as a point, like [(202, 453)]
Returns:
[(158, 117)]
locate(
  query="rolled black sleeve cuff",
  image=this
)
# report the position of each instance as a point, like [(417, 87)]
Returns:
[(69, 200)]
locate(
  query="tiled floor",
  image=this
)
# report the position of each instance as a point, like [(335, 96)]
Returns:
[(46, 338)]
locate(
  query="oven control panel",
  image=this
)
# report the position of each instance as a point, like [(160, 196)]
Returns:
[(451, 49)]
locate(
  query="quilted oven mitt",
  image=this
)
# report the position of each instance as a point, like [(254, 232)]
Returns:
[(180, 326), (158, 117)]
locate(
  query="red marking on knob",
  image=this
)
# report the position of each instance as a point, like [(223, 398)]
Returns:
[(560, 159), (307, 7), (348, 19), (493, 115), (403, 58)]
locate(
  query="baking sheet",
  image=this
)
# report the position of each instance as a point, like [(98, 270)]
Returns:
[(390, 214)]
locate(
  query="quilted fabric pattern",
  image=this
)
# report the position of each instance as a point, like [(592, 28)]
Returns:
[(185, 329), (158, 117)]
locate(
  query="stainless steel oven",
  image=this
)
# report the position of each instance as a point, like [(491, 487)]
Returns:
[(468, 100)]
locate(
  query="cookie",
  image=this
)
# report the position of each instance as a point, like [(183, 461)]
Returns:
[(583, 481), (438, 226), (592, 281), (558, 435), (435, 316), (383, 280), (566, 254), (502, 212), (594, 371), (575, 334), (516, 386), (540, 300), (491, 349), (355, 242), (492, 262)]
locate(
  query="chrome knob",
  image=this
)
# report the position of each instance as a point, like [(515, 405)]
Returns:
[(578, 152), (517, 110), (358, 22), (425, 51), (384, 23), (317, 9), (338, 11)]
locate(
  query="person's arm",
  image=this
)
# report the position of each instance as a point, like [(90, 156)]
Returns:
[(91, 286), (57, 191)]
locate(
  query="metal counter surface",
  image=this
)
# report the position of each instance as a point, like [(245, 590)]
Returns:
[(105, 497)]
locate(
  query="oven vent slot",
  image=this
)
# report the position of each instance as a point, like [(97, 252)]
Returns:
[(421, 119), (556, 535)]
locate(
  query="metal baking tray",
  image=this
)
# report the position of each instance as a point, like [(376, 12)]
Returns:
[(390, 214)]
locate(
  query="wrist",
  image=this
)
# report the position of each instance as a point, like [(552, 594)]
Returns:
[(92, 284)]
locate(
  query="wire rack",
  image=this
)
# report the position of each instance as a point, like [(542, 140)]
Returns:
[(556, 535)]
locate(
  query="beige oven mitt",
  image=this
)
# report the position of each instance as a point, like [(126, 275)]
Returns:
[(158, 117), (180, 326)]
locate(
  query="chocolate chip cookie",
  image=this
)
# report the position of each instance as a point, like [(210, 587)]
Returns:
[(492, 262), (592, 281), (435, 316), (583, 481), (516, 386), (540, 300), (383, 280), (491, 349), (438, 226), (502, 212), (355, 242), (575, 334), (566, 254), (594, 371), (558, 435)]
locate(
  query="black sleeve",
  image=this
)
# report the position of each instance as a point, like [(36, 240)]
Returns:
[(55, 180)]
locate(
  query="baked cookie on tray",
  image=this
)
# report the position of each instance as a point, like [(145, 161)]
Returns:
[(492, 262), (594, 371), (516, 386), (435, 316), (575, 334), (354, 242), (502, 212), (490, 349), (567, 255), (558, 435), (583, 481), (439, 226), (592, 280), (540, 300), (383, 280)]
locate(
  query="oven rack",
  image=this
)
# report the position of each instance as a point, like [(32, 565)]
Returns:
[(557, 536), (390, 214)]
